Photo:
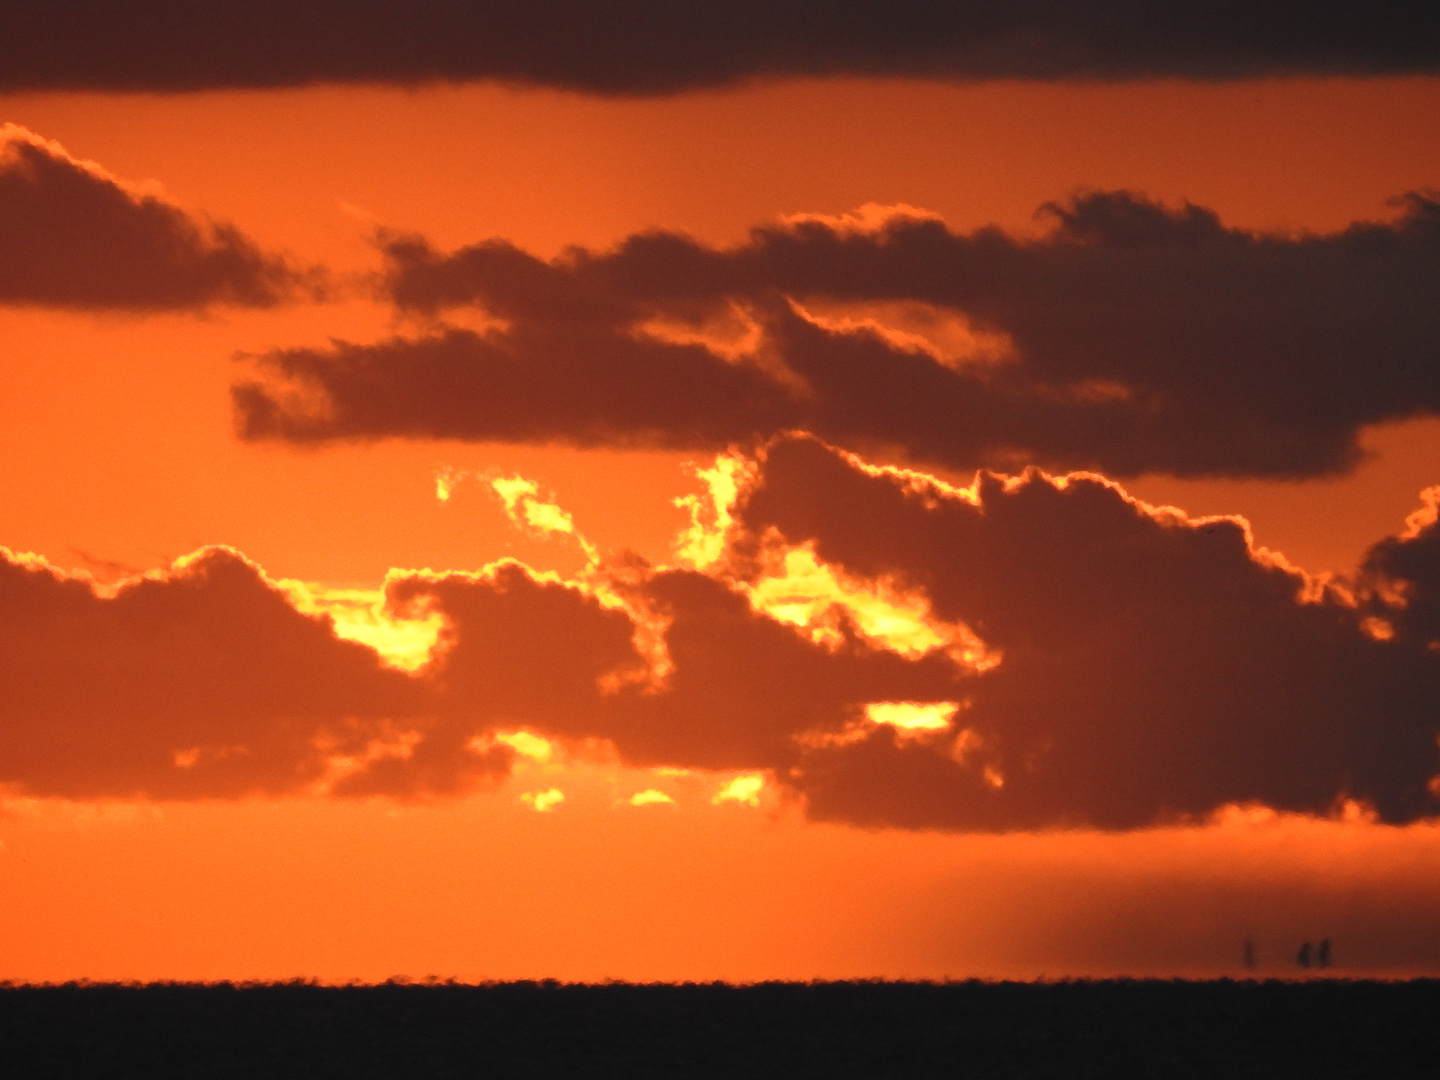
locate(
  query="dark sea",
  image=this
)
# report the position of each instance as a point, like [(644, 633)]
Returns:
[(1119, 1028)]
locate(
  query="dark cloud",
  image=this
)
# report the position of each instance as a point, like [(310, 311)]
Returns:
[(1153, 667), (207, 682), (1131, 338), (73, 236), (1136, 666), (740, 689), (1402, 577), (660, 46), (202, 682)]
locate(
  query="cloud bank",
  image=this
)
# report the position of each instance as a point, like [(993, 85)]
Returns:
[(1066, 656), (1130, 338), (1153, 666), (659, 47), (73, 236), (202, 682)]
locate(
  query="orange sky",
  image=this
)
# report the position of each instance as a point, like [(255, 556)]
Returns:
[(124, 456)]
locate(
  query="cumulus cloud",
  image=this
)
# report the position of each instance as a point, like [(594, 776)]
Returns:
[(1402, 578), (1130, 338), (1152, 666), (72, 235), (206, 681), (203, 681), (658, 47), (726, 686), (885, 648)]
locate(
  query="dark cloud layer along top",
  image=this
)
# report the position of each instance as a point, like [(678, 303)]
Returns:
[(1131, 337), (1149, 667), (73, 236), (664, 46)]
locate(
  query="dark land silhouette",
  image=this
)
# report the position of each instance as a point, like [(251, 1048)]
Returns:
[(1224, 1028)]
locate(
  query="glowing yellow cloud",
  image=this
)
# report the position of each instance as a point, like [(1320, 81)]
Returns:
[(544, 801), (361, 615), (526, 509), (651, 797), (446, 481), (743, 789), (702, 542), (799, 589), (795, 586), (912, 715), (527, 745)]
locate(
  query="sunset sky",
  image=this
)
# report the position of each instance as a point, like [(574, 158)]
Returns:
[(718, 491)]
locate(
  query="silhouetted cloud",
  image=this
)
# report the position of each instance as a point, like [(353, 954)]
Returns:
[(739, 688), (200, 682), (1402, 576), (206, 682), (1131, 338), (1152, 665), (890, 650), (72, 235), (659, 46)]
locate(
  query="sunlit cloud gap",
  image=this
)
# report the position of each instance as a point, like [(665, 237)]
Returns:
[(363, 615)]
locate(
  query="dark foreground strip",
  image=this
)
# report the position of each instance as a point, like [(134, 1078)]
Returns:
[(864, 1029)]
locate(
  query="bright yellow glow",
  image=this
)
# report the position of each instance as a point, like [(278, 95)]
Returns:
[(512, 489), (361, 615), (912, 715), (651, 797), (32, 561), (909, 719), (743, 789), (527, 745), (525, 507), (799, 589), (805, 589), (544, 801), (446, 481), (796, 587), (702, 543)]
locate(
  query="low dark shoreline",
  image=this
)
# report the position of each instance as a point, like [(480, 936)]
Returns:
[(1119, 1028)]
